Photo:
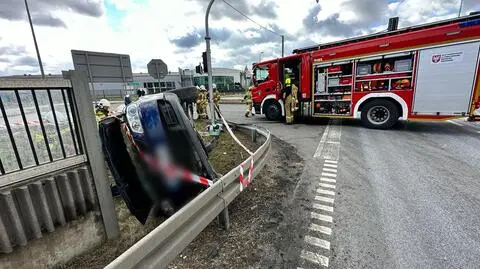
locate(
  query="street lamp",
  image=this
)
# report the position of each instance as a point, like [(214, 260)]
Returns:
[(209, 64), (260, 56), (35, 40)]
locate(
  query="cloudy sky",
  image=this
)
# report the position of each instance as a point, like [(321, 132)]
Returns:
[(173, 30)]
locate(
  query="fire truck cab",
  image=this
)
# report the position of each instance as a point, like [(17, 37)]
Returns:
[(425, 72)]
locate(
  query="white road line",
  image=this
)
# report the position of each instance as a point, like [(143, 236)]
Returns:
[(314, 257), (324, 199), (320, 146), (323, 207), (321, 217), (314, 241), (325, 185), (329, 165), (320, 229), (329, 175), (322, 191), (330, 170), (331, 161), (328, 180)]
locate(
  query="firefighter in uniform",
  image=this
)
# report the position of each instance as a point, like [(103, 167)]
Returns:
[(290, 98), (247, 98), (101, 109), (202, 103)]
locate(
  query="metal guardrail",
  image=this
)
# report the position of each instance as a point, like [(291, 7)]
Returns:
[(158, 248)]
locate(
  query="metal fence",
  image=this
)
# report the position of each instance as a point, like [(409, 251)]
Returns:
[(37, 126), (51, 164), (162, 245)]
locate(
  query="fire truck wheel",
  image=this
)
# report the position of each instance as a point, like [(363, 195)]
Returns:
[(273, 111), (379, 114)]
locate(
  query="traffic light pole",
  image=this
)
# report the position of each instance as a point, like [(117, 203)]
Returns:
[(209, 64)]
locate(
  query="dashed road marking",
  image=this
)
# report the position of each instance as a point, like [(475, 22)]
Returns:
[(321, 217), (331, 161), (322, 191), (324, 199), (329, 175), (330, 165), (325, 185), (323, 207), (330, 170), (320, 229), (314, 241), (314, 257), (328, 180)]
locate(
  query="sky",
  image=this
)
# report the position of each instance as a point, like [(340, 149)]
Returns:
[(174, 30)]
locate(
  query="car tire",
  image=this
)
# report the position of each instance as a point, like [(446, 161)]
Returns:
[(379, 114), (273, 111)]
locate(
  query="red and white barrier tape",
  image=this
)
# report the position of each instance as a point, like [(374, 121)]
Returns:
[(243, 181), (168, 169)]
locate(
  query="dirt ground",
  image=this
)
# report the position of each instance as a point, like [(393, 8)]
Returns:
[(222, 159), (256, 218)]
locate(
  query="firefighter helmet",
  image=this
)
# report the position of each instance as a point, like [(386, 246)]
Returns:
[(104, 103)]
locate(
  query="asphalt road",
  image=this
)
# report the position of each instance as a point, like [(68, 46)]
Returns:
[(403, 198)]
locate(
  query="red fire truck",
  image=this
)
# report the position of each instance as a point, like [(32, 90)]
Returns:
[(425, 72)]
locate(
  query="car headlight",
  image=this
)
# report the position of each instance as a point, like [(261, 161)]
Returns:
[(133, 118)]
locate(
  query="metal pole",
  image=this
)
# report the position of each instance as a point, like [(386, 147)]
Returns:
[(283, 45), (209, 63), (35, 40), (460, 9), (91, 79)]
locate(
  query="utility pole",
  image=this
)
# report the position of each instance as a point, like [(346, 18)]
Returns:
[(460, 9), (283, 45), (35, 41), (209, 64)]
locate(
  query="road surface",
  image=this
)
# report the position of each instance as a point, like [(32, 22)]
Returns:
[(402, 198)]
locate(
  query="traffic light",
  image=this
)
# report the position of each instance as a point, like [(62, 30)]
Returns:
[(199, 69), (205, 65)]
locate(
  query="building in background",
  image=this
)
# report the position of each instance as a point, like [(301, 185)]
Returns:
[(226, 79)]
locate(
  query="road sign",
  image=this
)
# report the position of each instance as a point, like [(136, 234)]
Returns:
[(135, 84), (103, 67), (157, 68)]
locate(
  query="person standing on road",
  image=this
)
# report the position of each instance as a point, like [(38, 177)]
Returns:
[(202, 103), (290, 97), (247, 98)]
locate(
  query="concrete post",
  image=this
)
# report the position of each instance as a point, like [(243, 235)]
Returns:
[(93, 146)]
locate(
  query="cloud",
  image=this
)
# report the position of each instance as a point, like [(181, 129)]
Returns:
[(43, 9), (189, 40), (196, 37), (220, 9), (27, 61), (4, 60), (48, 20), (12, 50), (346, 18)]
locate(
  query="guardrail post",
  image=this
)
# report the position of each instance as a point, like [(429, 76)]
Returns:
[(224, 219), (93, 146)]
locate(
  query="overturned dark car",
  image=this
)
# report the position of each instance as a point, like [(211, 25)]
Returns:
[(156, 157)]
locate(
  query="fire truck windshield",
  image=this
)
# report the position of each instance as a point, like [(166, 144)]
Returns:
[(260, 74)]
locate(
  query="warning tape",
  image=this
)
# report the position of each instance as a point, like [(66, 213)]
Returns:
[(168, 170), (243, 181)]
